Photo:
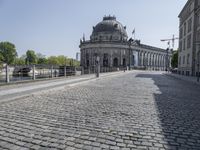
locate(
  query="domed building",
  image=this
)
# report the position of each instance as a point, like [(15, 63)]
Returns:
[(109, 41)]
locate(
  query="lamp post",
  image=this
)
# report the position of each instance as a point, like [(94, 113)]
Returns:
[(198, 73), (97, 66), (167, 60), (198, 60), (129, 43)]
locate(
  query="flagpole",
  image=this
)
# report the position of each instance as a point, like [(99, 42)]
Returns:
[(133, 33)]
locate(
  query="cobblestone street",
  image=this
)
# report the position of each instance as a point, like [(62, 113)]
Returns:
[(134, 110)]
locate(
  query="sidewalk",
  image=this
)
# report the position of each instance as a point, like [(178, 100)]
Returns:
[(16, 91), (184, 78)]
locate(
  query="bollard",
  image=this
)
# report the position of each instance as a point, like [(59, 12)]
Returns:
[(7, 74), (33, 72)]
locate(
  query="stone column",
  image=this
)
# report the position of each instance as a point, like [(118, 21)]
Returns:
[(141, 58), (150, 57), (144, 57), (138, 58)]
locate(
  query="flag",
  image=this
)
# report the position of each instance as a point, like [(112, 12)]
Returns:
[(133, 31), (83, 37)]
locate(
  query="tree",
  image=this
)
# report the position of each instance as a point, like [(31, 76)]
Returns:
[(62, 60), (41, 59), (1, 58), (8, 52), (76, 63), (52, 60), (20, 61), (174, 61), (31, 57)]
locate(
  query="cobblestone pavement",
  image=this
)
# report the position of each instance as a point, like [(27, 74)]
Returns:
[(143, 110)]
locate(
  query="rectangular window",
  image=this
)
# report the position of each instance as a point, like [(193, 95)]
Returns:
[(183, 59), (198, 20), (189, 24), (188, 58), (180, 46), (179, 61), (198, 35), (185, 28), (184, 44), (189, 41), (181, 33)]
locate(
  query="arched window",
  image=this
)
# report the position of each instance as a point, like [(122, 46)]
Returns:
[(105, 60), (87, 60), (133, 62), (115, 62), (124, 62)]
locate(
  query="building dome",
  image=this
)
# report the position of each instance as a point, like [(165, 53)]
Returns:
[(109, 30)]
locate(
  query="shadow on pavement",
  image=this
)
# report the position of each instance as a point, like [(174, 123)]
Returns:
[(178, 106)]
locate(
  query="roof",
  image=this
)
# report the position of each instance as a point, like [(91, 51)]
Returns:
[(109, 25)]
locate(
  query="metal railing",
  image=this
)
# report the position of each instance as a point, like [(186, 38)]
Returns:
[(16, 73), (34, 72)]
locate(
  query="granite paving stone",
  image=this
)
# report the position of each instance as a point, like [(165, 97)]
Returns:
[(134, 110)]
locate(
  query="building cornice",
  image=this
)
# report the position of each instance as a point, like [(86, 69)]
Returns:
[(120, 45), (189, 1)]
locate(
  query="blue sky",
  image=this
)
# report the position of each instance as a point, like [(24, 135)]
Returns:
[(54, 27)]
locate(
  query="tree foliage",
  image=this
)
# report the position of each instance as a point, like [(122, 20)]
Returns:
[(8, 52), (20, 61), (52, 60), (31, 57), (41, 59), (174, 61), (8, 55)]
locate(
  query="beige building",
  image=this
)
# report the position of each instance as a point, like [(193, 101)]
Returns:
[(109, 41), (189, 38)]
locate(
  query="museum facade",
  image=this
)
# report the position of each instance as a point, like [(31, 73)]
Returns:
[(109, 41)]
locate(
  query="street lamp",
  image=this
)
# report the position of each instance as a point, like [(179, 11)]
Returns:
[(198, 61), (167, 59), (97, 66), (129, 43)]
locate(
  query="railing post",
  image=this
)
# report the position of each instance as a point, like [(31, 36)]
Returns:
[(82, 70), (52, 71), (7, 74), (75, 70), (33, 72), (89, 70), (65, 71)]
